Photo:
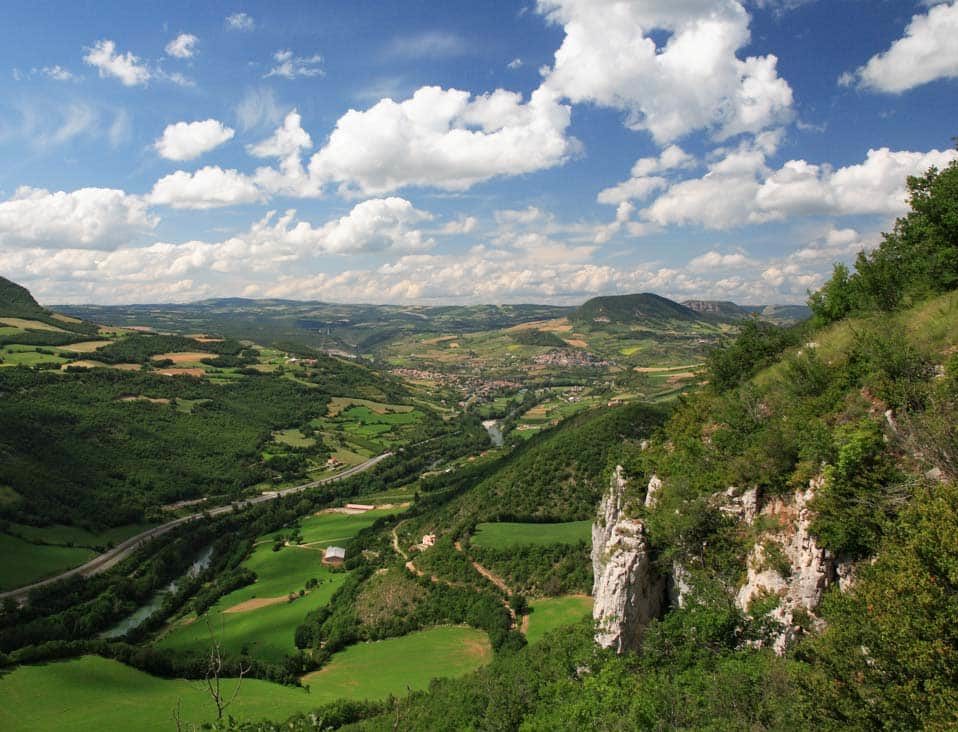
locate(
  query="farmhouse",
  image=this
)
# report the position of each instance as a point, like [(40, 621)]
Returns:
[(334, 555)]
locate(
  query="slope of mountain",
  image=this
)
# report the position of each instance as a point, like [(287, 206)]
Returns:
[(632, 310), (16, 300)]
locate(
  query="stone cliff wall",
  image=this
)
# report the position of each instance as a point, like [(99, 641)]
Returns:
[(628, 592)]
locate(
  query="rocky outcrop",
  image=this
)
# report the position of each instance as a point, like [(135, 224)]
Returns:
[(628, 592), (789, 564), (652, 492)]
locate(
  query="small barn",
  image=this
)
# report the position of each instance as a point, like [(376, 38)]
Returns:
[(334, 555)]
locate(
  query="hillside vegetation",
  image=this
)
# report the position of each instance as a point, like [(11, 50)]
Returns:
[(861, 403)]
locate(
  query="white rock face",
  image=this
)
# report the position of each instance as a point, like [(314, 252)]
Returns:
[(628, 592), (812, 569), (742, 505), (652, 492)]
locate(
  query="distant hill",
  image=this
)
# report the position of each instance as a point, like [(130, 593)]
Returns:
[(16, 300), (727, 310), (631, 309), (724, 309)]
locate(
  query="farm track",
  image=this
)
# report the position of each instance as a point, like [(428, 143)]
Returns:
[(109, 559)]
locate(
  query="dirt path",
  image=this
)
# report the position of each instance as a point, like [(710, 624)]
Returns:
[(495, 579), (488, 574), (109, 559), (396, 546)]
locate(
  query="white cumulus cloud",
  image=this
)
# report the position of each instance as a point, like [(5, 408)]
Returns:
[(123, 66), (209, 187), (444, 138), (695, 80), (928, 51), (99, 218), (189, 140), (183, 46)]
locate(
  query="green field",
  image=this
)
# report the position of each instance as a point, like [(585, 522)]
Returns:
[(327, 528), (505, 535), (267, 631), (27, 356), (24, 562), (67, 535), (376, 670), (95, 694), (550, 613), (31, 553)]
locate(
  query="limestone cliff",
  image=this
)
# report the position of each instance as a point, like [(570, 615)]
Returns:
[(628, 592), (788, 562)]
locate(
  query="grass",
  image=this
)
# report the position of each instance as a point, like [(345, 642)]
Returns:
[(327, 528), (339, 404), (267, 632), (550, 613), (30, 324), (24, 562), (27, 356), (93, 694), (85, 346), (293, 438), (67, 535), (376, 670), (505, 535)]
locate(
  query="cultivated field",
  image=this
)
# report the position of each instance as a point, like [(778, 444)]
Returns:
[(505, 535)]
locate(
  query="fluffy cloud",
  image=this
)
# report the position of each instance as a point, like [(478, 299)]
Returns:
[(740, 189), (925, 53), (209, 187), (290, 66), (189, 140), (183, 46), (694, 81), (240, 22), (123, 66), (85, 218), (643, 182), (462, 225), (443, 138), (138, 274), (286, 144)]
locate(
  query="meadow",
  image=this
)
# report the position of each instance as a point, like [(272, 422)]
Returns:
[(548, 613), (92, 694), (393, 666), (31, 553), (261, 618), (505, 535)]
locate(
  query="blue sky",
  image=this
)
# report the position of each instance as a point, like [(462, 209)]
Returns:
[(436, 152)]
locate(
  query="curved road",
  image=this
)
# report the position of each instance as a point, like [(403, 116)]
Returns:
[(110, 558)]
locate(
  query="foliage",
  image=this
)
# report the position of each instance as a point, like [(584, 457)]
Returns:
[(888, 658)]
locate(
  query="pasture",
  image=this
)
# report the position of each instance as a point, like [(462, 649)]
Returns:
[(505, 535), (376, 670), (31, 553), (260, 617), (92, 694), (24, 562), (549, 613)]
